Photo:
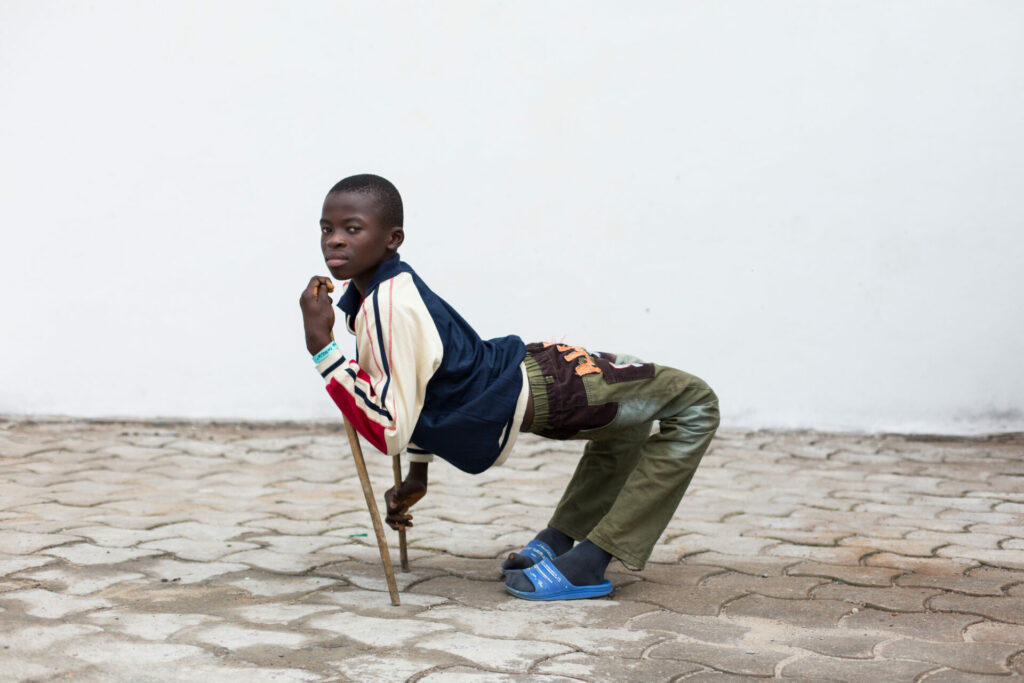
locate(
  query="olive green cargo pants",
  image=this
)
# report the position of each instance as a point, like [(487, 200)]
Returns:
[(629, 481)]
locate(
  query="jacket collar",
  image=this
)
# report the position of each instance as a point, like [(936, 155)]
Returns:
[(350, 300)]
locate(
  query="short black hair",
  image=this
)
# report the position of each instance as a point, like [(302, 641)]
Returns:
[(388, 200)]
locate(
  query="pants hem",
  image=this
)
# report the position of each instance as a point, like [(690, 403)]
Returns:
[(632, 561)]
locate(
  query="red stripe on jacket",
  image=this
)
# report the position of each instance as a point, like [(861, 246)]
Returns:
[(371, 431)]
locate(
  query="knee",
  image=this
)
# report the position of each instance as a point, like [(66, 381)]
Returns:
[(703, 414)]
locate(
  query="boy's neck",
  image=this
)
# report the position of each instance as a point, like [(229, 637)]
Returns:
[(363, 282)]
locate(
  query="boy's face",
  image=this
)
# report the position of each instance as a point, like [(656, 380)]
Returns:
[(354, 239)]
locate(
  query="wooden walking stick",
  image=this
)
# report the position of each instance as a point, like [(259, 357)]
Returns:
[(371, 503), (403, 552), (364, 481)]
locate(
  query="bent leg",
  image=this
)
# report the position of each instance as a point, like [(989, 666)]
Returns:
[(599, 476), (628, 482), (687, 412)]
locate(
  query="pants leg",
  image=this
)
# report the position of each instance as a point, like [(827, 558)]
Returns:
[(599, 476), (666, 465), (629, 482)]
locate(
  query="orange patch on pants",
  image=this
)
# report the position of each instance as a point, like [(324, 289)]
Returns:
[(571, 353)]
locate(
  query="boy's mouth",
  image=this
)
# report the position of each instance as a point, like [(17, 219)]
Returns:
[(336, 261)]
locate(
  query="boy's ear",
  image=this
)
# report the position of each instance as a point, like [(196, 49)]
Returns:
[(395, 238)]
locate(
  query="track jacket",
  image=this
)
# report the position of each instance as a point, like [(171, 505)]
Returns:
[(422, 378)]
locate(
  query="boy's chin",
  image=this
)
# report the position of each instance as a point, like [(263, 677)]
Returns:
[(340, 273)]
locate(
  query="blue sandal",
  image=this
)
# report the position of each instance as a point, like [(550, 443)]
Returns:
[(538, 551), (551, 584)]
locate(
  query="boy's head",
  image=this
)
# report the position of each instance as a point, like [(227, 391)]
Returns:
[(360, 227)]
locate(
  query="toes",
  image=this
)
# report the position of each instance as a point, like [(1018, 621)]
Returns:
[(516, 561)]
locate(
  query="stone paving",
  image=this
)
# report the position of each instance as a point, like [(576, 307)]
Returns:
[(166, 552)]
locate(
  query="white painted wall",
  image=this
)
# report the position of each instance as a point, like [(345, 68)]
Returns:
[(819, 207)]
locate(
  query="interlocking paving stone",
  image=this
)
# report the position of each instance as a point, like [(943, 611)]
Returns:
[(894, 598), (21, 543), (974, 539), (137, 452), (102, 648), (234, 553), (1008, 576), (10, 564), (756, 566), (49, 605), (925, 524), (200, 531), (856, 575), (465, 674), (1007, 609), (925, 625), (41, 638), (233, 637), (372, 603), (18, 668), (978, 658), (376, 631), (954, 676), (695, 600), (852, 646), (87, 553), (191, 549), (995, 632), (274, 613), (159, 626), (581, 627), (816, 613), (791, 587), (706, 629), (1007, 559), (189, 572), (371, 578), (938, 566), (491, 653), (901, 545), (737, 660), (77, 580), (377, 669), (829, 555), (114, 537), (276, 562), (852, 670), (586, 667), (970, 585), (282, 586)]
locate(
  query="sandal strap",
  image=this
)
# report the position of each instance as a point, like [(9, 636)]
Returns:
[(545, 578), (538, 551)]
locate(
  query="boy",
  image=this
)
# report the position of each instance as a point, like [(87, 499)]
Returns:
[(423, 381)]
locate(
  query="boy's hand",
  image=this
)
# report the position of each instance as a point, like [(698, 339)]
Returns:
[(398, 502), (317, 313)]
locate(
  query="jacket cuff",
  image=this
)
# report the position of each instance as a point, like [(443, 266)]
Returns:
[(330, 359), (419, 455)]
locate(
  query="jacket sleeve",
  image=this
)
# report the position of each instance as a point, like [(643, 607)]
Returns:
[(399, 350)]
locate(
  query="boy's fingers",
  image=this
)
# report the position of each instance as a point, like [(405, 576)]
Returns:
[(398, 523), (318, 281), (322, 282)]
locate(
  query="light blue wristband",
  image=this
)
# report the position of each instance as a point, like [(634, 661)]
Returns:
[(325, 352)]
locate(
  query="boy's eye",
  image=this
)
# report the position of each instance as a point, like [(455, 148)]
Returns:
[(353, 228), (324, 229)]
